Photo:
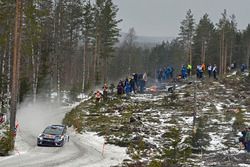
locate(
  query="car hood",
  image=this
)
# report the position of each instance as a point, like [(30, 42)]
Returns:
[(50, 136)]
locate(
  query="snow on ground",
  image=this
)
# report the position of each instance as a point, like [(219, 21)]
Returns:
[(110, 154), (206, 109), (181, 87), (83, 98), (244, 165), (246, 73), (218, 106), (232, 74), (216, 142), (145, 97), (188, 120), (21, 147), (86, 149)]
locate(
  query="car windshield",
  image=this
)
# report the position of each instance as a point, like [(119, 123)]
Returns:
[(53, 130)]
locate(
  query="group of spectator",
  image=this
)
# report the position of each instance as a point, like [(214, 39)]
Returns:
[(245, 139), (133, 84), (243, 67), (200, 70), (136, 82), (165, 73), (233, 66)]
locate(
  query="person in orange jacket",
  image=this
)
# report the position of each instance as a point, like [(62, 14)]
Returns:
[(203, 67)]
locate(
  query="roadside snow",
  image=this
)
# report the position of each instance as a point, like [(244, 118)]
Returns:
[(21, 147), (232, 74), (145, 97), (110, 154)]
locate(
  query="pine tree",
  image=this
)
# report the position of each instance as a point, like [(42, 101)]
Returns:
[(88, 32), (106, 35), (186, 34), (178, 151), (232, 38), (224, 30), (202, 39), (32, 42), (110, 34), (7, 15), (129, 46), (246, 46)]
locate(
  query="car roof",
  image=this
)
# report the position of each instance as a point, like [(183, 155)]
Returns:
[(62, 126), (54, 129), (57, 126)]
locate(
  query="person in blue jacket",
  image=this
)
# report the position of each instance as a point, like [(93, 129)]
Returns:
[(184, 72), (127, 87)]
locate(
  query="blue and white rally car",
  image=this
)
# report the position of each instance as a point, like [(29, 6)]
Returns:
[(54, 135)]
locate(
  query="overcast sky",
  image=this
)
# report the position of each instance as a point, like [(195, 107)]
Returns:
[(163, 17)]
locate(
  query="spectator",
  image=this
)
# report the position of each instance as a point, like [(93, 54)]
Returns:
[(209, 69), (215, 71), (98, 96)]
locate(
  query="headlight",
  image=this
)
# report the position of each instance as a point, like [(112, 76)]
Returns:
[(40, 138), (59, 139)]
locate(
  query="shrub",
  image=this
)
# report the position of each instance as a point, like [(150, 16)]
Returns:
[(74, 118), (155, 163), (239, 122), (6, 143)]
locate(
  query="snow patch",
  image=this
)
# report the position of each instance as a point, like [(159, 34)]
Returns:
[(145, 97), (219, 107), (216, 142)]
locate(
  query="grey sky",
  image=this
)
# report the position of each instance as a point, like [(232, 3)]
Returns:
[(163, 17)]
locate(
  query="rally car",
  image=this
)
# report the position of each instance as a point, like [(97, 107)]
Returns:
[(54, 135)]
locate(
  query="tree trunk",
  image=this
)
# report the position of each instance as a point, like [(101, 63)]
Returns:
[(190, 53), (248, 56), (58, 50), (9, 67), (225, 59), (85, 52), (202, 52), (16, 68), (58, 81), (222, 53), (88, 66), (95, 62), (34, 86), (3, 77), (98, 63), (231, 53), (105, 71)]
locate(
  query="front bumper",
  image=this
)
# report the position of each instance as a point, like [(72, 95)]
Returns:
[(46, 142)]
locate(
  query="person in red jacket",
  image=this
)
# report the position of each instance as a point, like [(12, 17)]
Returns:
[(98, 96)]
